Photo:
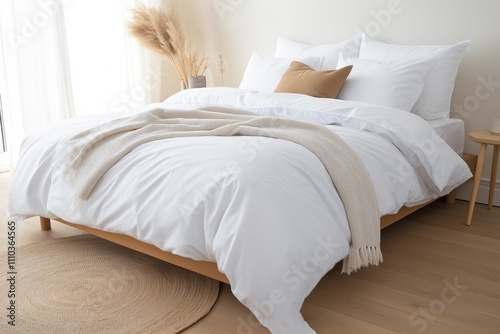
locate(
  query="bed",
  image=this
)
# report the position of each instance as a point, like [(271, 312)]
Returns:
[(218, 205)]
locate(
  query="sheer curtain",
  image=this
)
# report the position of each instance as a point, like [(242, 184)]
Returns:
[(62, 58)]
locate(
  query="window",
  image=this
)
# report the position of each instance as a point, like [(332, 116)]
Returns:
[(67, 58)]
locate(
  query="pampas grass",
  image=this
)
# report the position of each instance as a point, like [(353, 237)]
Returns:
[(161, 32), (196, 64)]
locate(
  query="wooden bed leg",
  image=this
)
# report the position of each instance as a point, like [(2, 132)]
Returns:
[(45, 224), (450, 198)]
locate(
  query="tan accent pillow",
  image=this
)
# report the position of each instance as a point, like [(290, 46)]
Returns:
[(302, 79)]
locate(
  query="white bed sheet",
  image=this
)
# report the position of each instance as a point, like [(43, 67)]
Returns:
[(452, 130)]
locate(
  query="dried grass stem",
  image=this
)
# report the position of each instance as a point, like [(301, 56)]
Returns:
[(161, 32)]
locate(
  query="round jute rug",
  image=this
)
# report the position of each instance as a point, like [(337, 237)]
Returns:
[(84, 284)]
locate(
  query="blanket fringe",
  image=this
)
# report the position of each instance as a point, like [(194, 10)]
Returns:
[(361, 257)]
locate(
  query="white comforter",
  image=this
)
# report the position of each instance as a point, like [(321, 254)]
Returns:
[(264, 209)]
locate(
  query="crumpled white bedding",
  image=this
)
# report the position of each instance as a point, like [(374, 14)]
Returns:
[(264, 209)]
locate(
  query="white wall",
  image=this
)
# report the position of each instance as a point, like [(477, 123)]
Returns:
[(236, 28)]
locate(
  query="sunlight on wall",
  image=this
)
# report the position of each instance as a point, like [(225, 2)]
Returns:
[(97, 53)]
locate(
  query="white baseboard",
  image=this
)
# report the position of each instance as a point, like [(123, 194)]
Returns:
[(464, 191)]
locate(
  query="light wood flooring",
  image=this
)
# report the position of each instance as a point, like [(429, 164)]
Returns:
[(438, 276)]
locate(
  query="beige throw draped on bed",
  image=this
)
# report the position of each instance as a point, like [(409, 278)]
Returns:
[(91, 153)]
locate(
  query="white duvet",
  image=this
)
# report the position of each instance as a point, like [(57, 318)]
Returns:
[(265, 210)]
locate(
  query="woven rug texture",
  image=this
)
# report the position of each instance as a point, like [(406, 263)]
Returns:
[(85, 284)]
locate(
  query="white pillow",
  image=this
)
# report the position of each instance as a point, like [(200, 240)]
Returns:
[(264, 73), (330, 52), (395, 84), (434, 102)]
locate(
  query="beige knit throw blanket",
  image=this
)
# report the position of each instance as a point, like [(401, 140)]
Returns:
[(89, 154)]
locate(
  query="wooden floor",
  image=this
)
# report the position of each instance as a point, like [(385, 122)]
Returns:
[(438, 276)]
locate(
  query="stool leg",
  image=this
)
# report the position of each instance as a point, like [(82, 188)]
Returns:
[(493, 178), (477, 178)]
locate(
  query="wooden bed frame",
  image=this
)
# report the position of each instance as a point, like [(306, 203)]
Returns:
[(209, 269)]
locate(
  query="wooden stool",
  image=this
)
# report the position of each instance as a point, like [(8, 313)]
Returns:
[(484, 138)]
